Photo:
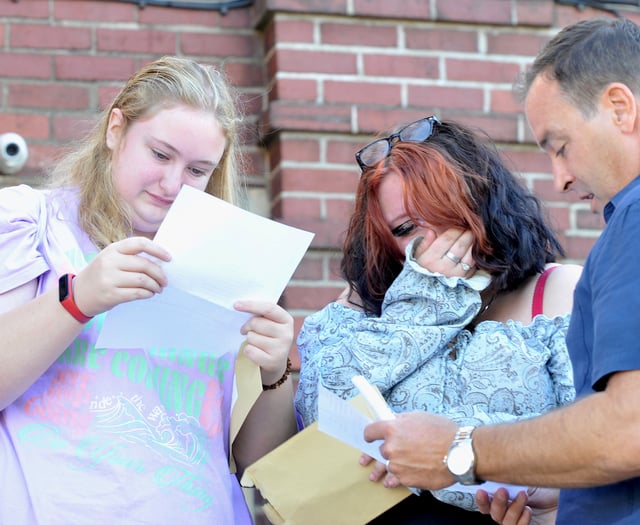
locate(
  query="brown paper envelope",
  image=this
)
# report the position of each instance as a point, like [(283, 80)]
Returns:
[(314, 478)]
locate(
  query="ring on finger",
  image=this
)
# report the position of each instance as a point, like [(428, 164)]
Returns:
[(453, 257), (386, 464), (466, 267)]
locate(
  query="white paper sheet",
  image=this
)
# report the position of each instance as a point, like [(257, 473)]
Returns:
[(343, 421), (220, 254)]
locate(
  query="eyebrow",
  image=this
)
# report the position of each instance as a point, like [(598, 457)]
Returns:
[(174, 150)]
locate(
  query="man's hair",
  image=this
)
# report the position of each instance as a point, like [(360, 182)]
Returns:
[(586, 57)]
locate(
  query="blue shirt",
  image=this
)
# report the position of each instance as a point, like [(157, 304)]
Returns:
[(602, 340)]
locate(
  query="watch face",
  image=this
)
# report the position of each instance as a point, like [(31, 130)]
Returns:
[(460, 459), (63, 288)]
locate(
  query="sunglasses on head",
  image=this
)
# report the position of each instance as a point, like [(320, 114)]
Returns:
[(375, 151)]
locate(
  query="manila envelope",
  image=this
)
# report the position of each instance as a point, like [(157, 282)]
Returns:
[(315, 479)]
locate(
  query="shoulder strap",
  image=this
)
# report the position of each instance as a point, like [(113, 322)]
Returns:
[(538, 293)]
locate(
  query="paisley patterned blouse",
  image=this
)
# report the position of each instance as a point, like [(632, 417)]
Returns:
[(421, 357)]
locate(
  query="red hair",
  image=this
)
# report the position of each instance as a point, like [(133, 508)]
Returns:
[(435, 190)]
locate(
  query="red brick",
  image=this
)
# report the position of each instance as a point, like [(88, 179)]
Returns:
[(340, 209), (559, 216), (67, 128), (534, 13), (136, 41), (326, 62), (579, 247), (295, 89), (528, 160), (43, 36), (283, 31), (458, 39), (106, 94), (78, 67), (512, 43), (300, 150), (481, 70), (310, 269), (401, 66), (219, 44), (55, 95), (311, 298), (309, 117), (25, 65), (31, 127), (342, 150), (243, 74), (503, 101), (359, 34), (235, 19), (501, 128), (354, 92), (487, 11), (24, 9), (312, 180), (294, 208), (566, 15), (446, 96), (328, 233), (104, 11), (334, 264)]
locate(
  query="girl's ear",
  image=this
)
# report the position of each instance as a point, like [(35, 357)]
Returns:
[(115, 128)]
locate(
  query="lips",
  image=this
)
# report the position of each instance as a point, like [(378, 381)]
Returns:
[(587, 197), (160, 201)]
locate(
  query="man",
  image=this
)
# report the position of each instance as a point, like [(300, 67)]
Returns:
[(582, 101)]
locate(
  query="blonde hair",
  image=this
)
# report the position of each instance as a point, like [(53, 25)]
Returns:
[(163, 83)]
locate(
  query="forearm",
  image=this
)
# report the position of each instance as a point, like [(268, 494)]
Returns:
[(27, 351), (591, 442), (270, 422)]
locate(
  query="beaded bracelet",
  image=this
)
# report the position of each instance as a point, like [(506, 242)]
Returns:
[(279, 382)]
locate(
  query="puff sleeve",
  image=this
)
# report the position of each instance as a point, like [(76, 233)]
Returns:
[(21, 210)]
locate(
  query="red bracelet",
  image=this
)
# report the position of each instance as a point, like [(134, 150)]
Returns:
[(65, 296), (279, 382)]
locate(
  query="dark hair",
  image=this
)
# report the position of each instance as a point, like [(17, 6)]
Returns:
[(456, 178), (586, 57)]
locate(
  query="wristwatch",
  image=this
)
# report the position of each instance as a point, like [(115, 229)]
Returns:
[(461, 459), (65, 295)]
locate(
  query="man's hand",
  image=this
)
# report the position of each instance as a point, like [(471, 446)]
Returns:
[(415, 444)]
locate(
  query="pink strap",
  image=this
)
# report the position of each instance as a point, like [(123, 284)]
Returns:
[(538, 293)]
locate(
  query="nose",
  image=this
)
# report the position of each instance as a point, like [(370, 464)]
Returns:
[(562, 177), (171, 180)]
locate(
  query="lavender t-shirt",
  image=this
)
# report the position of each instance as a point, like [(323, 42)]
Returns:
[(135, 436)]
